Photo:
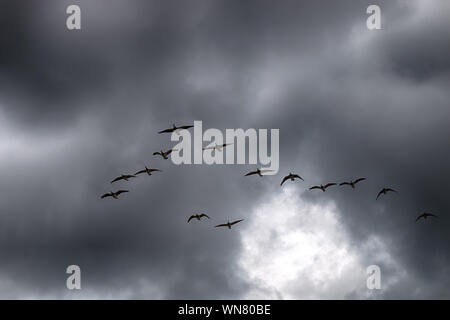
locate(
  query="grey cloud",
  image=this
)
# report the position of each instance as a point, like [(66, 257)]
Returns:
[(85, 106)]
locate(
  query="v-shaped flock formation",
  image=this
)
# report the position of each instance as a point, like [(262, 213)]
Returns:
[(259, 172)]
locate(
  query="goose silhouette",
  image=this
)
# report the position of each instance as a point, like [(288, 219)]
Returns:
[(384, 191), (147, 171), (352, 183), (218, 147), (258, 171), (323, 187), (163, 154), (292, 177), (125, 177), (228, 224), (425, 215), (198, 216), (113, 194), (175, 129)]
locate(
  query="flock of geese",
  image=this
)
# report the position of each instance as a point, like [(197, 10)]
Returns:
[(165, 156), (258, 171), (351, 183)]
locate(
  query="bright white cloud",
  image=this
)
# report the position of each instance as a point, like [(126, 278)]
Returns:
[(293, 249)]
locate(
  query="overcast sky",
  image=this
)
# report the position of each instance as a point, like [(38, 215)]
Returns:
[(78, 108)]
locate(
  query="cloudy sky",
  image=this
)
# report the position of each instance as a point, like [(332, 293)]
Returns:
[(77, 108)]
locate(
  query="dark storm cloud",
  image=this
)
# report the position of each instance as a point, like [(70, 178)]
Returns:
[(394, 132), (82, 107), (421, 62)]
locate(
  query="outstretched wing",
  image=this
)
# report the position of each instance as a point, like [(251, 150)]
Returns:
[(431, 215), (116, 179), (421, 216), (152, 170), (297, 176), (315, 187), (139, 172), (168, 152), (157, 153), (284, 180), (221, 225), (237, 221), (329, 185), (191, 217), (360, 179), (391, 190), (185, 127), (106, 195), (343, 183), (167, 130), (380, 193), (252, 172), (121, 191), (204, 215)]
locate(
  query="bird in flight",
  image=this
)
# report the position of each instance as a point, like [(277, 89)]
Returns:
[(217, 146), (323, 187), (123, 177), (385, 191), (352, 183), (425, 216), (258, 171), (163, 154), (292, 177), (113, 194), (175, 129), (147, 171), (228, 224), (198, 216)]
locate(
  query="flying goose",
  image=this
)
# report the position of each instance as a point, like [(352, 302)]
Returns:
[(323, 188), (217, 146), (258, 171), (123, 177), (175, 129), (292, 177), (228, 224), (163, 154), (113, 194), (385, 191), (352, 183), (147, 171), (198, 216), (425, 216)]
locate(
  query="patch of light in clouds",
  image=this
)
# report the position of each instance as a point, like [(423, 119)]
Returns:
[(296, 250)]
